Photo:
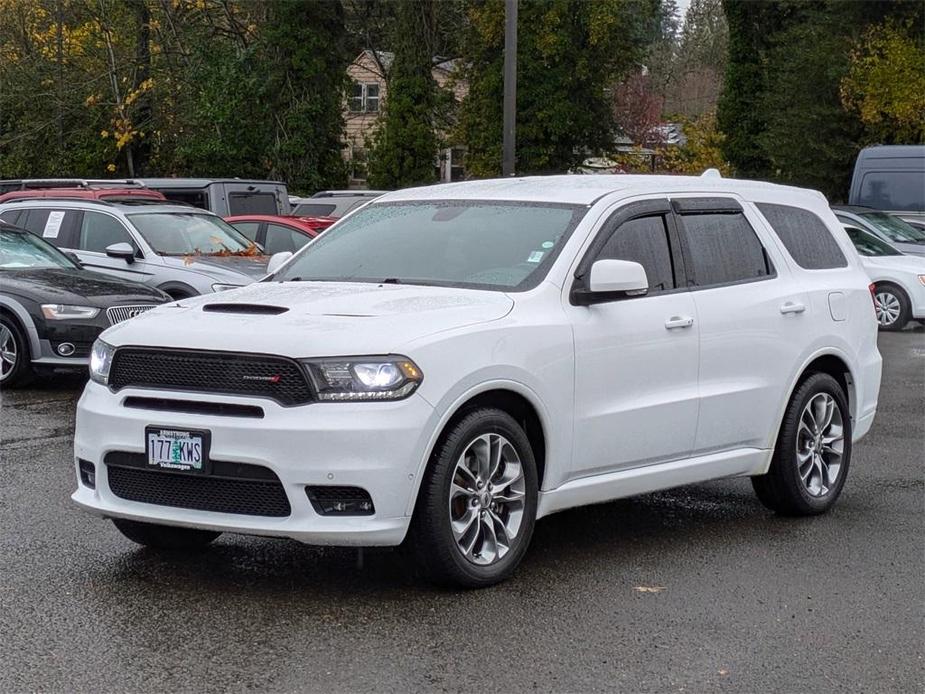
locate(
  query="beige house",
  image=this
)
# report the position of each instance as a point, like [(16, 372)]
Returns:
[(364, 105)]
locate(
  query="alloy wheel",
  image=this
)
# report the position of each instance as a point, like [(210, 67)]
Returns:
[(820, 444), (887, 307), (486, 501), (8, 353)]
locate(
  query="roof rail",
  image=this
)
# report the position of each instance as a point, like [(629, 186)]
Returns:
[(64, 198), (40, 183)]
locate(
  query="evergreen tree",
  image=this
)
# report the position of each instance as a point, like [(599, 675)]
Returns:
[(404, 148), (569, 54)]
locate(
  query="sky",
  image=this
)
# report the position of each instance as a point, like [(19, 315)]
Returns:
[(682, 8)]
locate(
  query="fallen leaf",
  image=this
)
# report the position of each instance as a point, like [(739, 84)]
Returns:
[(649, 589)]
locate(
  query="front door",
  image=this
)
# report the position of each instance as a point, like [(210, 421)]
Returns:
[(97, 230), (636, 359)]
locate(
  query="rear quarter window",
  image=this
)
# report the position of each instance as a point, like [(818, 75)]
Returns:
[(805, 236)]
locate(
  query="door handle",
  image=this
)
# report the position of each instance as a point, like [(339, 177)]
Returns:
[(792, 307), (679, 322)]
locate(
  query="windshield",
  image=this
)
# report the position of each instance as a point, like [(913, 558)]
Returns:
[(868, 244), (21, 250), (191, 233), (894, 228), (474, 244)]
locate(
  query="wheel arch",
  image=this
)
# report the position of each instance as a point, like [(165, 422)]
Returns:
[(18, 313), (831, 362), (180, 287), (509, 396)]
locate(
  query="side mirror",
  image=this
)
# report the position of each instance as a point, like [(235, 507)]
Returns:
[(611, 280), (277, 260), (121, 250)]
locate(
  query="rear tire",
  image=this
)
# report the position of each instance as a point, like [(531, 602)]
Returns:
[(164, 536), (813, 451), (15, 359), (892, 307), (477, 505)]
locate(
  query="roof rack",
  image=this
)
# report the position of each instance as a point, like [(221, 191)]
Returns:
[(40, 183), (63, 198)]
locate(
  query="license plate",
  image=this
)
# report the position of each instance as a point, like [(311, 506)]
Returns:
[(177, 449)]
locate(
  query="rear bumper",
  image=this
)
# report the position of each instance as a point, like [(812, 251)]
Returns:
[(376, 446)]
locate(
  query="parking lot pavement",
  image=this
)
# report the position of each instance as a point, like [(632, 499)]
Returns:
[(697, 589)]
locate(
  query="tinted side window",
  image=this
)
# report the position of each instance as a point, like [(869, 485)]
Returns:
[(10, 216), (807, 238), (722, 249), (311, 209), (249, 229), (893, 190), (97, 231), (34, 220), (643, 241), (280, 239), (196, 198), (252, 203)]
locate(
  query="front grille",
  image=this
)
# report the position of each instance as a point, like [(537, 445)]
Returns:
[(229, 373), (117, 314), (252, 492)]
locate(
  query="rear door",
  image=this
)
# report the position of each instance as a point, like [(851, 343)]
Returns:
[(754, 321)]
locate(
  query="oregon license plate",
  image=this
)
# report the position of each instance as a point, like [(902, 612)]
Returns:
[(177, 449)]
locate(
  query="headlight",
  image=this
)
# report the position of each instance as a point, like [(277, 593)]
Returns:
[(223, 287), (64, 312), (364, 378), (101, 361), (922, 279)]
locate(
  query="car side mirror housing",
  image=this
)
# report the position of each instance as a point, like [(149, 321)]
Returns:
[(610, 280), (121, 250), (277, 260)]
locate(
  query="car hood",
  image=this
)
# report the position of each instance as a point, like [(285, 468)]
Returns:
[(311, 318), (240, 269), (906, 263), (915, 249), (78, 287)]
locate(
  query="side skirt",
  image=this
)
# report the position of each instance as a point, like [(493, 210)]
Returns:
[(651, 478)]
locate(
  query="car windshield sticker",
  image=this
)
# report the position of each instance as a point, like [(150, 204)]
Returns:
[(548, 244), (53, 225), (535, 257)]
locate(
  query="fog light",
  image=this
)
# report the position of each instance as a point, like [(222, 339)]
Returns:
[(66, 349), (87, 473), (340, 501)]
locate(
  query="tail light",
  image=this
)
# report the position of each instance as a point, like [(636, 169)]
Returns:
[(873, 295)]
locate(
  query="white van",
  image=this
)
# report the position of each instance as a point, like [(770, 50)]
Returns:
[(891, 178)]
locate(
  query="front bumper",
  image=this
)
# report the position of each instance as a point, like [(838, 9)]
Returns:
[(376, 446)]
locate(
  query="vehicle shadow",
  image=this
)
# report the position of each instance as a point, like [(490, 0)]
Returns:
[(620, 537)]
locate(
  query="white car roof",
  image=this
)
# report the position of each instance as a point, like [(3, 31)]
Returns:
[(584, 190)]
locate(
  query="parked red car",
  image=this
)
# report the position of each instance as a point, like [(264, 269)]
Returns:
[(277, 233), (107, 194)]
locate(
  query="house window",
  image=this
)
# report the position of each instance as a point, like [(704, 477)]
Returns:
[(364, 98), (357, 164), (372, 98)]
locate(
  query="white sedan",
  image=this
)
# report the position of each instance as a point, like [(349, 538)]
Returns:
[(899, 279)]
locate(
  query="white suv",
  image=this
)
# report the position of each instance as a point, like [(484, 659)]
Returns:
[(451, 363)]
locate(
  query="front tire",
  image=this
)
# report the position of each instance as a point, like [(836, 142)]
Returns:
[(813, 451), (477, 505), (892, 307), (15, 360), (164, 536)]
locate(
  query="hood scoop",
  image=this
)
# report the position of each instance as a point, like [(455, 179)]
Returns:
[(246, 309)]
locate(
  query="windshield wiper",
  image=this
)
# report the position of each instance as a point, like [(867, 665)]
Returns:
[(391, 280)]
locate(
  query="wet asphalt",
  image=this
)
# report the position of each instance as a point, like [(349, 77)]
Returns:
[(697, 589)]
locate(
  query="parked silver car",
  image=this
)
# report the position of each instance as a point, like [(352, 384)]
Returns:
[(885, 226), (179, 249)]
